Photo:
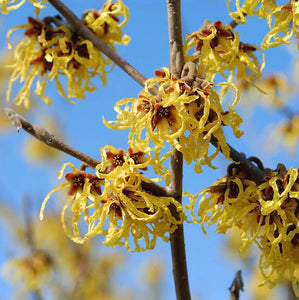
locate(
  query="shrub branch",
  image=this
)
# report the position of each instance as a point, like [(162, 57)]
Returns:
[(177, 242), (50, 140)]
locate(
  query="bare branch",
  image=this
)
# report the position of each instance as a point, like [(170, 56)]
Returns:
[(176, 160), (255, 173), (291, 294), (28, 224), (236, 286), (50, 140), (47, 138)]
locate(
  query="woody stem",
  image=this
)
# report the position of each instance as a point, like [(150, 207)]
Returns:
[(177, 242)]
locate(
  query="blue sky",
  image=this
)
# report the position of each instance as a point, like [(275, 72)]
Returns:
[(209, 271)]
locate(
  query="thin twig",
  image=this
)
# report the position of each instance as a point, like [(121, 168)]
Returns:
[(236, 286), (176, 160), (36, 293), (49, 139), (255, 173), (28, 224), (287, 112)]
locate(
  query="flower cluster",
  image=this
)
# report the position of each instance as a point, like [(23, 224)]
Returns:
[(86, 270), (114, 204), (285, 16), (49, 52), (107, 22), (5, 58), (273, 90), (266, 214), (8, 5), (286, 134), (32, 270), (184, 114), (217, 48)]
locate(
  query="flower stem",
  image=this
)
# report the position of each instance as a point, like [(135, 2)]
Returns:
[(177, 242)]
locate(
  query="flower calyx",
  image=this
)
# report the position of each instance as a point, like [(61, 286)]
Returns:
[(194, 80)]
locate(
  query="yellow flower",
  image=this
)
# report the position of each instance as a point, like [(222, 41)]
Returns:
[(106, 23), (33, 270), (259, 291), (286, 23), (217, 48), (262, 8), (182, 116), (5, 58), (233, 243), (47, 53), (286, 19), (286, 134), (123, 212), (82, 188), (273, 90), (266, 214), (8, 5)]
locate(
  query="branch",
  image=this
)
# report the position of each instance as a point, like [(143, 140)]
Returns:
[(47, 138), (291, 294), (176, 160), (28, 224), (29, 236), (236, 286), (50, 140), (255, 173)]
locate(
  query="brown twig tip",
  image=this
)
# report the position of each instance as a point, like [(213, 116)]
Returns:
[(18, 121), (236, 286), (38, 132), (47, 138)]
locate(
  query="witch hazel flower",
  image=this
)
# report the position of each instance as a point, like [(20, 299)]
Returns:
[(51, 51), (266, 214), (283, 20), (114, 204), (217, 49), (9, 5), (186, 113)]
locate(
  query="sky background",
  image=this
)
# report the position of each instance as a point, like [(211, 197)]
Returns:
[(210, 270)]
